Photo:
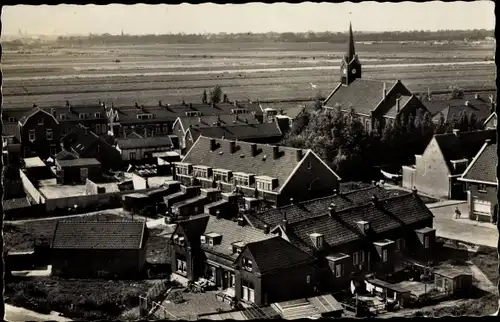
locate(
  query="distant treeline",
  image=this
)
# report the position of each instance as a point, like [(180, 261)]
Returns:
[(289, 37)]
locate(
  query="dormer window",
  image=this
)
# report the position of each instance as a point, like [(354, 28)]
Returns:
[(238, 247), (32, 135), (265, 183), (242, 179), (317, 240), (247, 264), (203, 239), (201, 171), (81, 116), (222, 175), (97, 115), (183, 168), (213, 239), (144, 116)]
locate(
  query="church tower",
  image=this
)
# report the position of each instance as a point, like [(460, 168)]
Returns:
[(350, 68)]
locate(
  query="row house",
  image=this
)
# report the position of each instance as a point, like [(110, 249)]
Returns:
[(40, 134), (271, 174), (481, 182), (451, 110), (373, 237), (244, 263), (158, 120), (443, 161), (81, 142), (374, 102), (267, 133), (198, 121), (139, 149), (297, 211)]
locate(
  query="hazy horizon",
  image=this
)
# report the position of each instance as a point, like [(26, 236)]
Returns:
[(241, 18)]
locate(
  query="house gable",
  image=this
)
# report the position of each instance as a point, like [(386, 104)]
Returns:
[(246, 254)]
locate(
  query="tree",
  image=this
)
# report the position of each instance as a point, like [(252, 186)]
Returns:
[(204, 97), (216, 94), (225, 99)]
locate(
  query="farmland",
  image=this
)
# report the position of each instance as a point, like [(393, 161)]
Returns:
[(123, 74)]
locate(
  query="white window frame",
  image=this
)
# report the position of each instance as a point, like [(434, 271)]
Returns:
[(200, 172), (248, 293), (221, 175), (32, 135), (47, 136), (384, 255), (182, 169), (241, 179), (232, 280), (481, 187), (264, 185), (97, 115), (338, 270), (11, 119), (355, 258), (132, 156), (247, 264), (181, 266), (426, 242)]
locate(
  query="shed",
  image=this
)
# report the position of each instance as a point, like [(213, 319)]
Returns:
[(312, 308), (452, 281), (99, 249), (78, 170), (390, 292)]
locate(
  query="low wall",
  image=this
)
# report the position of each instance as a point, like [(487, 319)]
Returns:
[(33, 211), (30, 189)]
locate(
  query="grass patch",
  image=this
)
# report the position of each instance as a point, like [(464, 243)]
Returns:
[(86, 299)]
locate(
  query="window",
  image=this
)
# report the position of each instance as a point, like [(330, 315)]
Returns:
[(132, 155), (367, 125), (32, 135), (40, 121), (362, 256), (11, 119), (182, 169), (62, 116), (242, 180), (97, 115), (232, 280), (221, 176), (247, 264), (49, 135), (200, 172), (103, 128), (426, 242), (264, 185), (181, 266), (338, 270), (165, 129), (81, 116), (308, 279), (355, 258), (210, 273), (158, 129), (481, 187), (247, 291), (309, 165), (400, 244), (384, 255)]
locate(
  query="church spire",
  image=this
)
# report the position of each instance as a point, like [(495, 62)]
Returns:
[(350, 51)]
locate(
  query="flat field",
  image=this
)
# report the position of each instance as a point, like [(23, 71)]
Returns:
[(170, 72)]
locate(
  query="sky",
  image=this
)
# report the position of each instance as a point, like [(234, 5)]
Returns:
[(253, 17)]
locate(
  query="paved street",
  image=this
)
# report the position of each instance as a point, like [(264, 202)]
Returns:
[(17, 314), (462, 229)]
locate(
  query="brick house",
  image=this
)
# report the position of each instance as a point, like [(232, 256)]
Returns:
[(444, 160), (140, 149), (481, 181), (268, 173), (77, 170), (83, 143), (83, 249), (244, 263), (39, 133), (150, 121), (11, 144), (374, 102), (254, 133), (491, 122), (372, 237), (184, 123)]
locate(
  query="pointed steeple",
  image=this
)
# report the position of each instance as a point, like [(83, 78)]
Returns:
[(350, 51)]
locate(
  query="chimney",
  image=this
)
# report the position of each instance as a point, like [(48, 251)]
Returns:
[(397, 104), (183, 103), (374, 199), (476, 96), (136, 105), (241, 222), (217, 214), (232, 146), (284, 224), (266, 229), (159, 103), (99, 101), (53, 112), (456, 132), (67, 104), (414, 191), (212, 145), (199, 119), (235, 103), (384, 92), (331, 209), (429, 97), (103, 104), (276, 152), (299, 155), (467, 103), (253, 149)]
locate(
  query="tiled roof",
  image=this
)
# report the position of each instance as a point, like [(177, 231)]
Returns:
[(290, 109), (435, 106), (152, 142), (16, 203), (65, 155), (134, 135), (341, 228), (362, 94), (238, 132), (276, 253), (465, 145), (172, 112), (242, 161), (312, 208), (231, 233), (193, 227), (484, 166), (393, 111), (32, 112), (213, 120), (80, 139), (78, 162), (98, 235), (454, 113)]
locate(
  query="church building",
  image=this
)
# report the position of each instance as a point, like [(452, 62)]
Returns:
[(375, 102)]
